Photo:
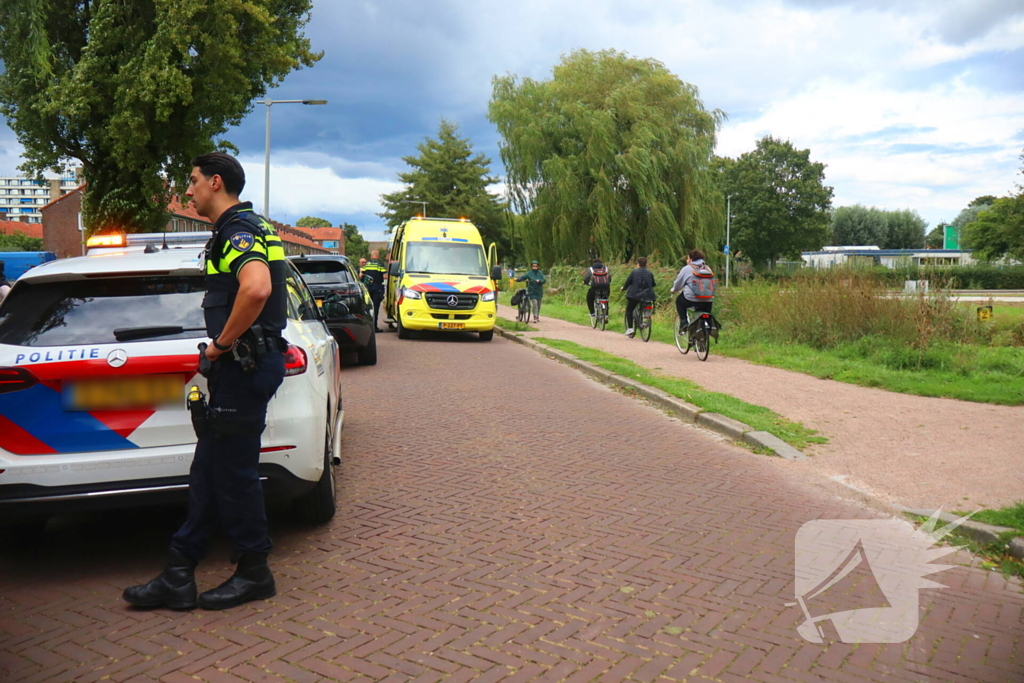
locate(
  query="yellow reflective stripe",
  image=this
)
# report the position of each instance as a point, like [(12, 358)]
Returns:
[(232, 254)]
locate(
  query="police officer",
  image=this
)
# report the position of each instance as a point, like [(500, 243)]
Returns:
[(373, 277), (245, 311)]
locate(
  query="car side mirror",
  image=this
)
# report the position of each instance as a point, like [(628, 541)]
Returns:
[(393, 268), (495, 273), (335, 309)]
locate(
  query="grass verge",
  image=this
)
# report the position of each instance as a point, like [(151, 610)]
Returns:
[(515, 325), (1011, 516), (758, 417), (994, 556)]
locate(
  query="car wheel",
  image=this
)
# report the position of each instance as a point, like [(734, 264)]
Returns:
[(403, 331), (318, 506), (368, 353), (487, 336)]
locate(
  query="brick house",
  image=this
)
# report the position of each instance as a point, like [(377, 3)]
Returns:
[(23, 227), (330, 239)]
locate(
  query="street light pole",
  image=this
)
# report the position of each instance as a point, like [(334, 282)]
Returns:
[(728, 235), (266, 153), (416, 201)]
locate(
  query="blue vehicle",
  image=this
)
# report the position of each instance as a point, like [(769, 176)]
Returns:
[(15, 263)]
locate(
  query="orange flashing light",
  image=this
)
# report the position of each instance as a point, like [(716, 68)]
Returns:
[(118, 240)]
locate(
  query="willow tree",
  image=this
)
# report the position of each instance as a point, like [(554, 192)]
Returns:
[(610, 156), (132, 91)]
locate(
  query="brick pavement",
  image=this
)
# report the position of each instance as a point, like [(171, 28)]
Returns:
[(527, 525)]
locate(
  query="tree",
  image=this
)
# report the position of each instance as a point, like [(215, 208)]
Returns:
[(904, 229), (355, 246), (451, 180), (780, 203), (18, 241), (611, 155), (858, 225), (312, 222), (936, 238), (999, 230), (133, 90)]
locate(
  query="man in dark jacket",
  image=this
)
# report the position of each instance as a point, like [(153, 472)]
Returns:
[(639, 287)]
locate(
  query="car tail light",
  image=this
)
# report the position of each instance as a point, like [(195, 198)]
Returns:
[(16, 379), (294, 361)]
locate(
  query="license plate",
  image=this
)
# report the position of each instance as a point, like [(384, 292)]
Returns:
[(453, 326), (121, 393), (320, 303)]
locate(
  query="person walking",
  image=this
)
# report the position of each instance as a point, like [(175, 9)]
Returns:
[(695, 285), (599, 281), (535, 280), (245, 309), (639, 287), (373, 277)]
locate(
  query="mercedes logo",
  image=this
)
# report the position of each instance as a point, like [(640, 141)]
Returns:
[(453, 301), (117, 358)]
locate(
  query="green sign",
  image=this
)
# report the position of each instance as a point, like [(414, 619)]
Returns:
[(950, 237)]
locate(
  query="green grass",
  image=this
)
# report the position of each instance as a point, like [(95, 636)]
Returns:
[(515, 325), (758, 417), (1012, 516), (994, 555), (982, 374)]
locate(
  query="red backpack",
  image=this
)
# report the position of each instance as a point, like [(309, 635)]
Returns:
[(599, 276), (704, 283)]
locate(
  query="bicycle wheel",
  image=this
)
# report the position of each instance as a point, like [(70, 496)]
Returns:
[(681, 341), (597, 315), (644, 323), (602, 316), (524, 311), (702, 341)]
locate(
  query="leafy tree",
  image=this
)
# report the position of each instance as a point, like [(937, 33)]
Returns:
[(936, 238), (780, 203), (451, 180), (134, 90), (858, 225), (999, 230), (612, 155), (985, 199), (355, 246), (904, 229), (312, 222), (20, 242)]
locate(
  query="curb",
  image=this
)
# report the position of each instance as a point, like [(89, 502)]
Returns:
[(979, 531), (726, 426)]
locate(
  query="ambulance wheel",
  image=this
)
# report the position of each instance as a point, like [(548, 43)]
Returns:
[(403, 331), (318, 506), (487, 335)]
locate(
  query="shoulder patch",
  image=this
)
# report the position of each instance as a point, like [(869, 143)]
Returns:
[(243, 241)]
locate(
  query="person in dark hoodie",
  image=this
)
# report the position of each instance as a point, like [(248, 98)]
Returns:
[(639, 287), (599, 280)]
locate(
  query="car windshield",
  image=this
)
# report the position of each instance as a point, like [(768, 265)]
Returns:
[(445, 258), (323, 272), (87, 312)]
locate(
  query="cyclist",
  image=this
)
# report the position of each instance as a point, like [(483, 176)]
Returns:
[(599, 280), (695, 285), (639, 287)]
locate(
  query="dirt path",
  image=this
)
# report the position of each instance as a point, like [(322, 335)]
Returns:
[(911, 450)]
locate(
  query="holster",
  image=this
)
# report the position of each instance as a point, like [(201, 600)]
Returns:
[(199, 410)]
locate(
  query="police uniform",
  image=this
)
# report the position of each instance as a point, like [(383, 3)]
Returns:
[(224, 482), (373, 277)]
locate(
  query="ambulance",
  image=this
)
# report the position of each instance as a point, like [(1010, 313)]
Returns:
[(440, 278)]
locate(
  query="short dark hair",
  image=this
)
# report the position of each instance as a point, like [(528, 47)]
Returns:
[(642, 261), (224, 165), (596, 261), (696, 255)]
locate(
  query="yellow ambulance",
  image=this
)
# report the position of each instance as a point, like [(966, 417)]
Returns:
[(439, 279)]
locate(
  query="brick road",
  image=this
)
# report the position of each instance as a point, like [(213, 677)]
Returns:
[(525, 523)]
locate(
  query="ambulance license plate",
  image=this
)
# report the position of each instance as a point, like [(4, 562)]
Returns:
[(123, 393), (452, 326)]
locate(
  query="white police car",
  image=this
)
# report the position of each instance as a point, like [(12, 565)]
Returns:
[(97, 355)]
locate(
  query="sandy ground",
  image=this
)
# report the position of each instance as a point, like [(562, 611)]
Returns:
[(911, 450)]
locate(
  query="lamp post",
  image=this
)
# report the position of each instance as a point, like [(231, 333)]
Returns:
[(416, 201), (266, 156), (728, 235)]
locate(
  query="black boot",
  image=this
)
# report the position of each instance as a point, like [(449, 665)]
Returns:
[(174, 588), (252, 580)]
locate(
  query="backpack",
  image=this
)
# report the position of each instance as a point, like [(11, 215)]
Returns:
[(704, 283), (517, 297), (599, 277)]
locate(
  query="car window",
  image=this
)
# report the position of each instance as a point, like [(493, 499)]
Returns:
[(88, 311), (301, 305), (324, 272)]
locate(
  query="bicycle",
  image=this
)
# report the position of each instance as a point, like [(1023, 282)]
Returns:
[(600, 316), (642, 319), (524, 308), (697, 335)]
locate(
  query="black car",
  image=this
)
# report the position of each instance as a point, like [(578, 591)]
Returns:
[(334, 278)]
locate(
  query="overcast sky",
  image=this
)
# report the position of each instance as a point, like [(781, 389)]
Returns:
[(911, 103)]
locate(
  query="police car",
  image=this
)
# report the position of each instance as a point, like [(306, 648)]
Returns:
[(97, 355)]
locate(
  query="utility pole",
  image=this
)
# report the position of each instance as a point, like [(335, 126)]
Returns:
[(266, 153), (728, 235)]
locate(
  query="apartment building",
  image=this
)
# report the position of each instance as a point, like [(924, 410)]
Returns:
[(21, 199)]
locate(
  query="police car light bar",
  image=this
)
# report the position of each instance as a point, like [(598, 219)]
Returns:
[(105, 241), (172, 239)]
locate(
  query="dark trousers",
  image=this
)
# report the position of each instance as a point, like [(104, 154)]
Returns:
[(631, 305), (595, 293), (224, 482), (682, 304), (376, 296)]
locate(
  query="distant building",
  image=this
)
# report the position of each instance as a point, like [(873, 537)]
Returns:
[(22, 199), (382, 247), (830, 257), (330, 239), (18, 227)]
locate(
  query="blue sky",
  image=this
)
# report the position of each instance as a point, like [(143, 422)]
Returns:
[(910, 103)]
